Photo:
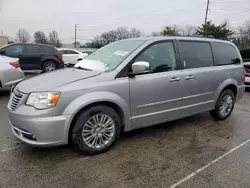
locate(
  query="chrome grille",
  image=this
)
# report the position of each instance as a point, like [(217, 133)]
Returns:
[(15, 99)]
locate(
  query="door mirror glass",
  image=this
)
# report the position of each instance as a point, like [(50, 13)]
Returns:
[(140, 67)]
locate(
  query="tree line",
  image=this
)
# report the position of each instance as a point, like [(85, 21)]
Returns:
[(240, 36), (23, 36)]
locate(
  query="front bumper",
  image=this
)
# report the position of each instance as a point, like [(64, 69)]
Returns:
[(39, 131)]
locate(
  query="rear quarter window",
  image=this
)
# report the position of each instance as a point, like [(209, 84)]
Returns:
[(48, 49), (225, 54)]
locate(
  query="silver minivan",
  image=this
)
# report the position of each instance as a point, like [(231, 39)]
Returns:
[(126, 85)]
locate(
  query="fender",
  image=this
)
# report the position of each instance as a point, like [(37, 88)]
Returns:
[(223, 85), (100, 96)]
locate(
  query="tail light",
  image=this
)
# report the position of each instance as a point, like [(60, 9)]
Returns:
[(15, 64), (60, 56), (244, 75)]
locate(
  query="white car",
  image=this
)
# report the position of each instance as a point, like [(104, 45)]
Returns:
[(10, 72), (72, 56)]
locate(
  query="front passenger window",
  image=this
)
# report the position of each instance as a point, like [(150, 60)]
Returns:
[(160, 56)]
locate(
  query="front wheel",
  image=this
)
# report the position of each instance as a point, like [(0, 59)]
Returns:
[(96, 130), (224, 105), (49, 66)]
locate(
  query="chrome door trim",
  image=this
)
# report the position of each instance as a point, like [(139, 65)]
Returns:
[(173, 109), (173, 100)]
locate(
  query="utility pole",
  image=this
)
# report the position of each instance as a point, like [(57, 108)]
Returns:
[(208, 2), (75, 34)]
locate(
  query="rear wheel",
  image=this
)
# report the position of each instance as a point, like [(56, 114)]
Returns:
[(96, 130), (49, 66), (224, 105)]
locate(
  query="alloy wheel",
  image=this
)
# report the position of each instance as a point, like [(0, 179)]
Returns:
[(226, 105), (98, 131)]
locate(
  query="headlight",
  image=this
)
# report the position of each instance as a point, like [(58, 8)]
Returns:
[(43, 100)]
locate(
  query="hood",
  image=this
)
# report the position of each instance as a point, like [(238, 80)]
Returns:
[(5, 59), (92, 65), (50, 81)]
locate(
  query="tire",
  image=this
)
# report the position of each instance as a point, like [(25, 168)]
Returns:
[(49, 66), (218, 113), (82, 141)]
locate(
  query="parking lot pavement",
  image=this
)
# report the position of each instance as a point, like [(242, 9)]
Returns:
[(192, 152)]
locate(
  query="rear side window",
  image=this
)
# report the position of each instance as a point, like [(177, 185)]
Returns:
[(32, 48), (70, 52), (196, 54), (225, 54), (45, 49)]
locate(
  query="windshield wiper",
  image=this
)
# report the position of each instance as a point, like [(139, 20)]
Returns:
[(81, 68)]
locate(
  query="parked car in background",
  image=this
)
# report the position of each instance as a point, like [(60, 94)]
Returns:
[(34, 57), (245, 54), (10, 72), (72, 56), (126, 85)]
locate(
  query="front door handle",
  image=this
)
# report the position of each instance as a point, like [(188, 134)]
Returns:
[(190, 77), (174, 79)]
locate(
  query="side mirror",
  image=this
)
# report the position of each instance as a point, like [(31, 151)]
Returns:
[(3, 52), (140, 67)]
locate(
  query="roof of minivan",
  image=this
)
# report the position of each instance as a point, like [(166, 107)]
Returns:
[(180, 38)]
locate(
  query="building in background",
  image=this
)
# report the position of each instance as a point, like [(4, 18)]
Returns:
[(3, 40)]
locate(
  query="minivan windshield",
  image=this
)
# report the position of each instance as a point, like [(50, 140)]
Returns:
[(110, 56)]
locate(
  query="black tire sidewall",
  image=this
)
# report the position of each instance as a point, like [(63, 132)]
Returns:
[(76, 132), (217, 106), (43, 68)]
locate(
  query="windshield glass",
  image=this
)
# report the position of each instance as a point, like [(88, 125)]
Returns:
[(110, 56)]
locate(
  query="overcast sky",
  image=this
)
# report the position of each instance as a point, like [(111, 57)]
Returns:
[(96, 16)]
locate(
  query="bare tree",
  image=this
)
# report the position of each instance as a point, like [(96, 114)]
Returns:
[(242, 36), (135, 33), (122, 33), (54, 40), (188, 30), (40, 37), (114, 35), (22, 36), (155, 34)]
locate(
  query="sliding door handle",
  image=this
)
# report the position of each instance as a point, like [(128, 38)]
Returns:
[(190, 77), (174, 79)]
